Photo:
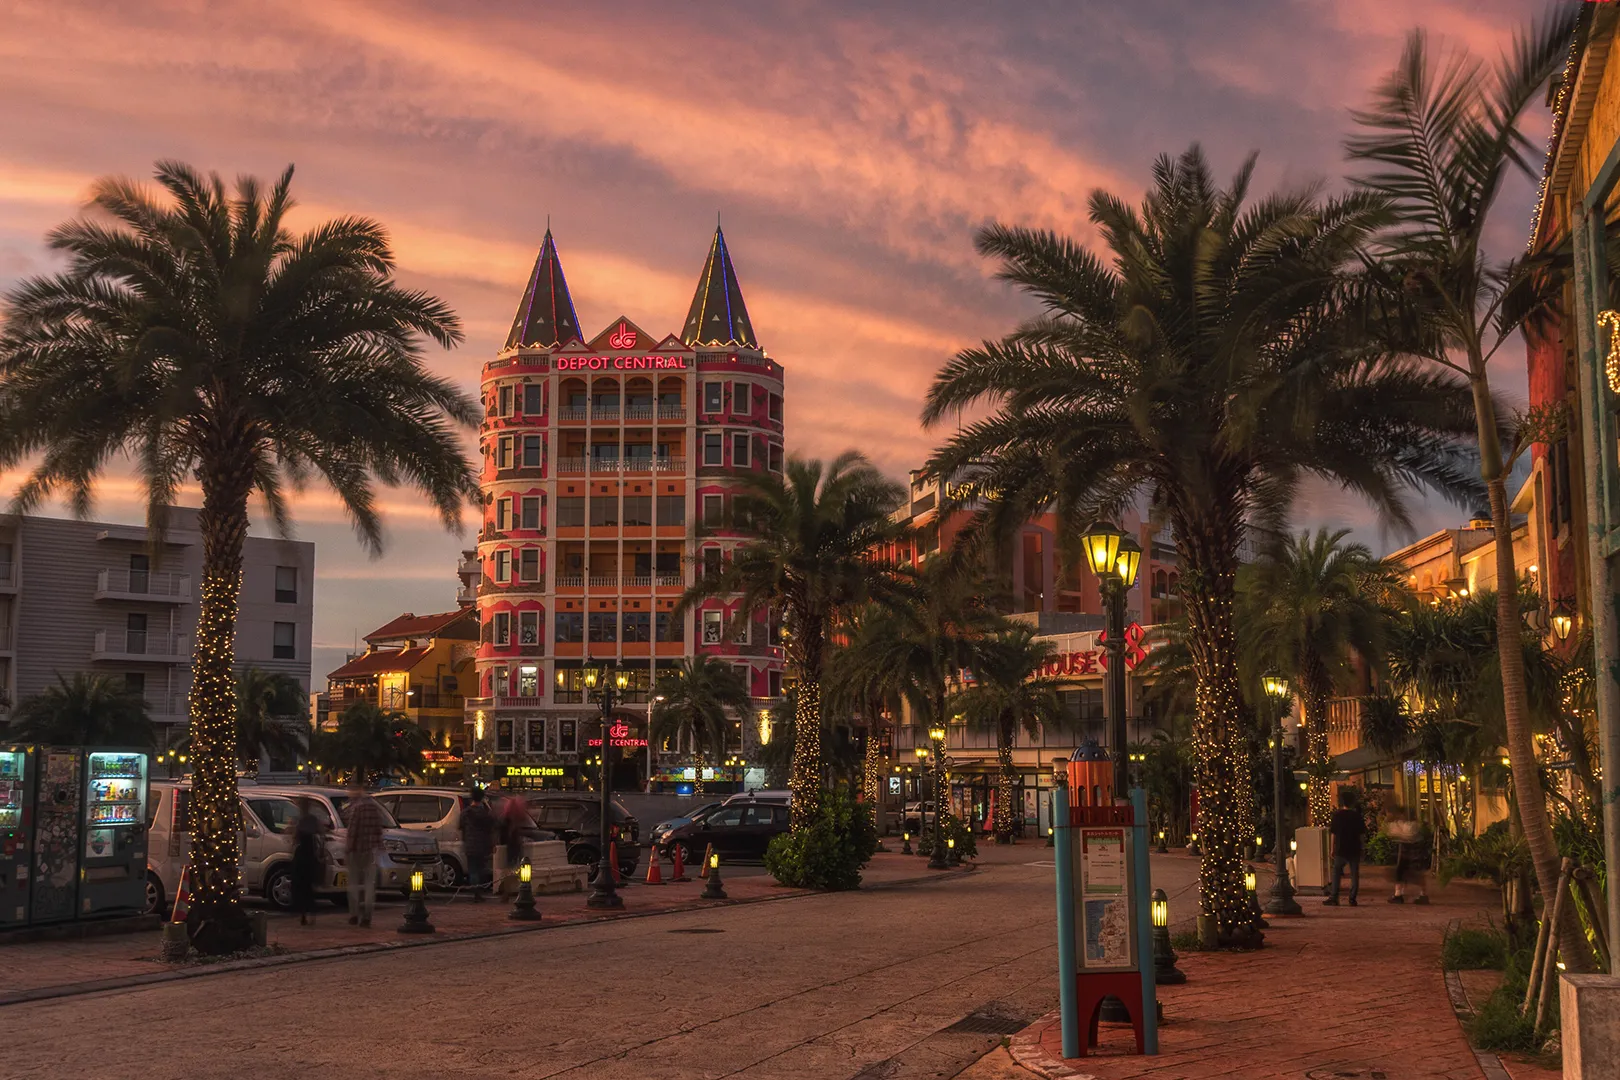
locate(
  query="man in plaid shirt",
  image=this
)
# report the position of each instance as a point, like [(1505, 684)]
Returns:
[(365, 822)]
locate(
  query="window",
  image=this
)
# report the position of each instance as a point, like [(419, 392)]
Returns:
[(529, 674), (742, 401), (139, 573), (284, 643), (529, 564), (135, 682), (531, 451), (739, 451), (567, 737), (638, 509), (604, 510), (499, 683), (671, 510), (713, 397), (279, 816), (503, 566), (420, 809), (503, 514), (774, 678), (670, 627), (637, 625), (743, 634), (503, 628), (604, 625), (505, 408), (528, 632), (531, 512), (714, 510), (534, 399), (570, 626), (570, 511), (503, 736), (714, 448), (712, 562), (503, 452), (775, 407), (774, 461), (712, 623)]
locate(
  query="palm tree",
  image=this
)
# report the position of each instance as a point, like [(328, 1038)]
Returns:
[(372, 743), (86, 710), (272, 713), (699, 700), (1202, 360), (195, 332), (853, 685), (1310, 605), (1009, 692), (808, 553), (1439, 140)]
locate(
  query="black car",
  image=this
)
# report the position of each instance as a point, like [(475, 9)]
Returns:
[(741, 829), (576, 819)]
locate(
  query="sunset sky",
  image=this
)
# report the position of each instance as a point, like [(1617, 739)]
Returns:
[(849, 148)]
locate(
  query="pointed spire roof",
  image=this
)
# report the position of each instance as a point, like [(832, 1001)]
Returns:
[(546, 316), (718, 315)]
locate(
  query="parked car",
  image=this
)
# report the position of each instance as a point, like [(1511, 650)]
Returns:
[(437, 812), (576, 818), (403, 851), (763, 795), (268, 818), (917, 816), (660, 832), (739, 829)]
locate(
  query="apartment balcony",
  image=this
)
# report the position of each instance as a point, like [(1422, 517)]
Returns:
[(572, 413), (604, 581), (672, 412), (671, 581), (672, 465), (505, 701), (468, 566), (638, 582), (605, 415), (570, 581), (143, 585), (8, 576), (571, 466), (7, 641), (635, 413), (142, 645), (467, 594), (174, 709)]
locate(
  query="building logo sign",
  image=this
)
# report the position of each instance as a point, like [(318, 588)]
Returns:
[(621, 363), (622, 338), (619, 735), (1095, 661), (534, 770)]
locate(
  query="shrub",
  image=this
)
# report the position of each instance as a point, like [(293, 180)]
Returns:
[(1380, 849), (967, 845), (1498, 1026), (1469, 949), (829, 853)]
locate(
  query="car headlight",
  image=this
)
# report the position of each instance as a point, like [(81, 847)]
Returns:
[(394, 847)]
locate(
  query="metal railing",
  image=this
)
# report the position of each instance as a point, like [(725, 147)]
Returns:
[(163, 586), (141, 643)]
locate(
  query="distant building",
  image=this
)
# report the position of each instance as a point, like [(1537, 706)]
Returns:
[(419, 665), (93, 597)]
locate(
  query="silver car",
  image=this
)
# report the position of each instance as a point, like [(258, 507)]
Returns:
[(404, 851)]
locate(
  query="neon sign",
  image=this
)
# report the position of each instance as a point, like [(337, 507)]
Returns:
[(622, 338), (619, 735), (620, 363), (534, 770), (1095, 661)]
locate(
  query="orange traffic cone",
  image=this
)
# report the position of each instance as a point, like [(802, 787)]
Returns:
[(613, 861), (680, 864), (703, 871), (655, 873), (182, 897)]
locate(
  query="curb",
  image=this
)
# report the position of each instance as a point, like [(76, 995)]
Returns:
[(152, 978), (1028, 1053), (1489, 1063)]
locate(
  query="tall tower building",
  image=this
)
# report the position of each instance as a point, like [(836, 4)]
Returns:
[(608, 467)]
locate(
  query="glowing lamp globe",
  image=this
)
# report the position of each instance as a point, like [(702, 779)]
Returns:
[(1127, 560), (1101, 544), (1161, 909), (416, 881), (525, 872), (1248, 881)]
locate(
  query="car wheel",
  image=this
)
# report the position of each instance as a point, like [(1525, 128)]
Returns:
[(450, 875), (278, 888), (580, 855), (154, 894), (688, 855)]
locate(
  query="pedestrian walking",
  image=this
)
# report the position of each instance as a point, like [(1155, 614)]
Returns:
[(309, 857), (478, 841), (1348, 830), (1410, 871), (515, 829), (365, 822)]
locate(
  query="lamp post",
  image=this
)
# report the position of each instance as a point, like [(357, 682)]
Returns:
[(936, 857), (1282, 900), (1562, 622), (605, 682), (1114, 558)]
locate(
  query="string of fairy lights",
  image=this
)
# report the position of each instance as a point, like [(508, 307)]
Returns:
[(1559, 116), (1610, 320), (216, 809), (805, 774), (1318, 800)]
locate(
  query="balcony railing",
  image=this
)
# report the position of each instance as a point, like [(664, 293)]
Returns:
[(467, 594), (122, 644), (604, 581), (638, 412), (605, 414), (570, 581), (638, 582), (670, 579), (572, 412), (143, 585), (467, 566), (570, 466), (672, 412)]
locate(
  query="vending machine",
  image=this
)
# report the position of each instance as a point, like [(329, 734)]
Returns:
[(58, 797), (113, 857), (16, 813)]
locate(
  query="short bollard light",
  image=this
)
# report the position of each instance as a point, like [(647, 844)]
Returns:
[(714, 891), (906, 847), (951, 857), (1257, 918), (416, 913), (1164, 957), (1293, 846), (1192, 844), (523, 907), (1164, 848), (1051, 836)]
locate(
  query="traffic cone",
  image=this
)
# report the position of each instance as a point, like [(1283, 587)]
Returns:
[(182, 897), (703, 871), (680, 865), (613, 861), (655, 874)]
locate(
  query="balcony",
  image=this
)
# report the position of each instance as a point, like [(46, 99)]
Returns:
[(468, 566), (570, 581), (671, 465), (604, 581), (605, 415), (571, 466), (6, 645), (672, 412), (572, 412), (634, 413), (8, 576), (670, 580), (143, 585), (154, 648), (467, 594)]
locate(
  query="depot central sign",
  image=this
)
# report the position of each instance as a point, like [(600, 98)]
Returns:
[(621, 363), (619, 735)]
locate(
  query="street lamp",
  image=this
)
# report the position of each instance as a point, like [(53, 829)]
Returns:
[(936, 857), (1562, 622), (604, 682), (1282, 900), (1114, 558)]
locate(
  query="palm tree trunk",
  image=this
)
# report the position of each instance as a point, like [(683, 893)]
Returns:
[(1006, 781), (872, 772), (216, 923), (1315, 687), (1208, 587)]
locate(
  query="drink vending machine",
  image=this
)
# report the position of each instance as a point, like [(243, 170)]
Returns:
[(113, 860), (16, 809)]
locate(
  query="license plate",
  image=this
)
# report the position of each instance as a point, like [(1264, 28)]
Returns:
[(340, 879)]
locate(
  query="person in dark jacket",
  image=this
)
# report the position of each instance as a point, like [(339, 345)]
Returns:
[(515, 829), (478, 840), (309, 853), (1348, 830)]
